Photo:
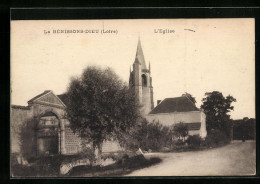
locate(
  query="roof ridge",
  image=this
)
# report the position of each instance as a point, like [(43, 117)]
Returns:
[(176, 104), (38, 96), (174, 97), (191, 101)]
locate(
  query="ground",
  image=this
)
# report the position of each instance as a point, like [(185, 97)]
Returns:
[(237, 158)]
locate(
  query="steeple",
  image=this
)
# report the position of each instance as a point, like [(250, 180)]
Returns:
[(141, 81), (139, 58)]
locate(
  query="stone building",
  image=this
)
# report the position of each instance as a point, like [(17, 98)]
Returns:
[(52, 132)]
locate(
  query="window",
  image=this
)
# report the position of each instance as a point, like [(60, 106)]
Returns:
[(144, 80)]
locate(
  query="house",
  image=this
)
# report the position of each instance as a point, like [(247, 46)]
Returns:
[(180, 109)]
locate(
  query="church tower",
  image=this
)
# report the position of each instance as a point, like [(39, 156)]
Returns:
[(141, 80)]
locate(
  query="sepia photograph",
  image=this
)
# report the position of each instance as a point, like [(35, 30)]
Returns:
[(132, 97)]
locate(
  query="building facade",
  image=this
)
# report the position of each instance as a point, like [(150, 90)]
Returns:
[(52, 130)]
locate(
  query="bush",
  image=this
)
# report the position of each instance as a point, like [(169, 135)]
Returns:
[(87, 153), (45, 165), (153, 136), (133, 161), (194, 141), (119, 168), (27, 137), (216, 138), (165, 149), (42, 166), (180, 148), (115, 155), (180, 130), (179, 142)]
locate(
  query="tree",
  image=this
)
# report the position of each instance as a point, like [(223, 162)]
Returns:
[(180, 130), (27, 137), (216, 107), (100, 106), (145, 135), (190, 97)]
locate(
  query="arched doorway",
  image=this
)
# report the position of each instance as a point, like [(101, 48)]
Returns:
[(48, 134)]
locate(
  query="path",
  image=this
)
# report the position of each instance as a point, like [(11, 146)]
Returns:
[(238, 158)]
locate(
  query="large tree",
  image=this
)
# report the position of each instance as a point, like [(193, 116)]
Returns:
[(216, 108), (100, 106)]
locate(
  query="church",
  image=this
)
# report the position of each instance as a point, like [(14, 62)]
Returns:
[(53, 134), (171, 110)]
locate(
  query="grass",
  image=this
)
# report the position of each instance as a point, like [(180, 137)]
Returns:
[(49, 167), (115, 170), (43, 166)]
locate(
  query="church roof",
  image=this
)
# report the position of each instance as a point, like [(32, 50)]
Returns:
[(140, 55), (38, 96), (178, 104)]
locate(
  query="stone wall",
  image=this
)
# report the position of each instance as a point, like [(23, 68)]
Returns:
[(19, 115), (72, 141)]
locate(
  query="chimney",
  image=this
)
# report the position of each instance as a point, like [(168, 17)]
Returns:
[(158, 101)]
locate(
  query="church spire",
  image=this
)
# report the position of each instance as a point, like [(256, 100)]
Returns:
[(141, 81), (139, 58)]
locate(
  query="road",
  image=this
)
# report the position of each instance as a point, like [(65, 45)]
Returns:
[(237, 158)]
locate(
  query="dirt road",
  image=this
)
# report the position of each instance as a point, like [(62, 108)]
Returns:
[(237, 158)]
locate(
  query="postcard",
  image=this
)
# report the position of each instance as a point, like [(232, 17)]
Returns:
[(132, 97)]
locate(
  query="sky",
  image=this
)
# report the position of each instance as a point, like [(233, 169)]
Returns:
[(198, 56)]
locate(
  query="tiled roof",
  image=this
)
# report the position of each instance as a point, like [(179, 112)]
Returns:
[(38, 96), (178, 104)]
